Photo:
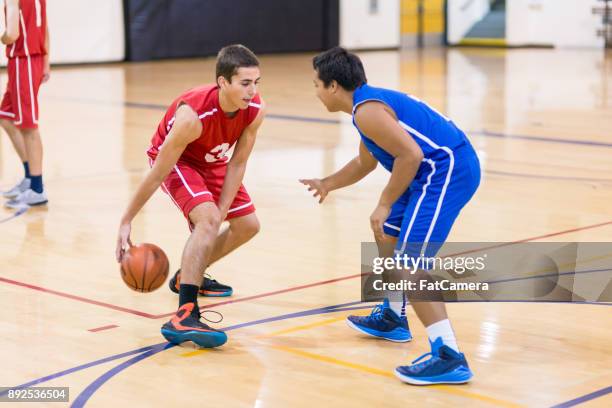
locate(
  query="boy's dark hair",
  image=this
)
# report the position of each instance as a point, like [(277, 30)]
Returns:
[(232, 57), (340, 65)]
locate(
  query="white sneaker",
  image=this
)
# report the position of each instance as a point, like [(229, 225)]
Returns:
[(22, 186), (28, 198)]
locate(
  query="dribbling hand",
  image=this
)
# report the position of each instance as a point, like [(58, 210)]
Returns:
[(123, 240)]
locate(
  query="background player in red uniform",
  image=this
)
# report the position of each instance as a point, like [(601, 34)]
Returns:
[(188, 161), (27, 49)]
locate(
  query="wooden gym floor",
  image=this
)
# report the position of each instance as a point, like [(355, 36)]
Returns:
[(541, 121)]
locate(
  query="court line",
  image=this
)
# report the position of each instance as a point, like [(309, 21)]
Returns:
[(547, 177), (148, 351), (86, 394), (320, 310), (78, 298), (17, 213), (290, 289), (310, 119), (584, 398), (500, 135), (376, 371), (97, 329), (482, 132)]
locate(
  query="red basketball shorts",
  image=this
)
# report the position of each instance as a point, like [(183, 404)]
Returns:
[(20, 101), (189, 186)]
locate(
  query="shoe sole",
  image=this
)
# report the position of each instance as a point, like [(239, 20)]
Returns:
[(413, 381), (21, 205), (215, 294), (360, 330), (205, 340)]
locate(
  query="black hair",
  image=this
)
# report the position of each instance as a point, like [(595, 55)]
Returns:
[(337, 64), (232, 57)]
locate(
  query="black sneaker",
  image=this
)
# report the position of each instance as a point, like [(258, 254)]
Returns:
[(186, 326), (210, 287)]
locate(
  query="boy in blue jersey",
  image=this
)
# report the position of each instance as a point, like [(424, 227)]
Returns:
[(434, 173)]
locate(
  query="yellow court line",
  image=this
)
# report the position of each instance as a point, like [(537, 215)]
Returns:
[(196, 352), (371, 370), (303, 327), (360, 367)]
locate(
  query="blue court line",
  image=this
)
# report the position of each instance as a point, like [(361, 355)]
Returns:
[(145, 352), (321, 310), (17, 213), (297, 118), (547, 177), (86, 394), (539, 138), (584, 398), (268, 115), (547, 275)]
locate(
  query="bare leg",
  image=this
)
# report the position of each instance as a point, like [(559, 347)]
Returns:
[(206, 220), (239, 232), (34, 150), (16, 138)]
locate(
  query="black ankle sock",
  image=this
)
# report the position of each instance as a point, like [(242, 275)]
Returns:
[(26, 169), (37, 183), (188, 294)]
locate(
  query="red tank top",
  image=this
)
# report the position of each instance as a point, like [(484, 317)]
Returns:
[(219, 132), (32, 29)]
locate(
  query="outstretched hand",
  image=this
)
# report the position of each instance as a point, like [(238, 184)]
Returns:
[(317, 186)]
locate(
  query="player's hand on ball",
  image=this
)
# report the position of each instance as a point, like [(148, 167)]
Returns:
[(317, 186), (377, 219), (123, 240)]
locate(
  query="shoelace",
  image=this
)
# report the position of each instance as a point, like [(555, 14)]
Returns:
[(377, 312), (206, 275), (201, 316)]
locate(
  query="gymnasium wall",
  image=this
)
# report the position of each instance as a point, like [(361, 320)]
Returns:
[(560, 23), (189, 28), (83, 31), (368, 24)]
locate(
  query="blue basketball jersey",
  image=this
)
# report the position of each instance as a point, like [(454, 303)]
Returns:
[(435, 134), (446, 180)]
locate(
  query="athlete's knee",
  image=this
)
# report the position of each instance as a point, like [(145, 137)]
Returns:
[(30, 132), (205, 218)]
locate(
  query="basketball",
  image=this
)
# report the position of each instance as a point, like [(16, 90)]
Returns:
[(144, 267)]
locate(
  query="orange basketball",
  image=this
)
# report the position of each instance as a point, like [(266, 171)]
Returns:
[(144, 267)]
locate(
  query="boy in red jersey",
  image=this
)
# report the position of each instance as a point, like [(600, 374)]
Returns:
[(27, 49), (189, 162)]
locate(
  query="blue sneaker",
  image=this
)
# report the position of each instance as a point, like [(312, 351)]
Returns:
[(446, 366), (382, 323)]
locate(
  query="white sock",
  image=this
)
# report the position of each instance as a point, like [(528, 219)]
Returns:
[(397, 303), (444, 330)]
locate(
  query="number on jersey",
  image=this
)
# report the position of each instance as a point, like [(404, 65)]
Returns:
[(217, 153)]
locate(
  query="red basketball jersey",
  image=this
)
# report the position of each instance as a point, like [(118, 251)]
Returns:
[(219, 132), (32, 29)]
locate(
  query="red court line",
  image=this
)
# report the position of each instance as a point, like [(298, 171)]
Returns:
[(276, 292), (97, 329), (291, 289), (78, 298)]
